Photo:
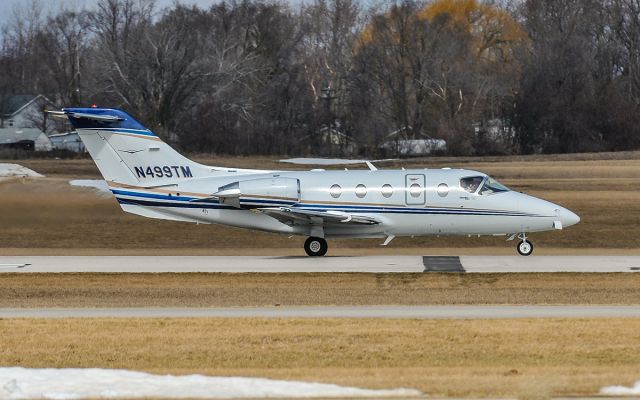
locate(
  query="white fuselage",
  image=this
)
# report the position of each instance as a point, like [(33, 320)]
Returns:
[(438, 206)]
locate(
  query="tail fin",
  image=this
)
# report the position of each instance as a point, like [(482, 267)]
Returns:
[(128, 153)]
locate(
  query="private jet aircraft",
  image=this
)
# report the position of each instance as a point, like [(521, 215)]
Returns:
[(151, 179)]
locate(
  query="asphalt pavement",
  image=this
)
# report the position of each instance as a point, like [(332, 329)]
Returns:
[(372, 264)]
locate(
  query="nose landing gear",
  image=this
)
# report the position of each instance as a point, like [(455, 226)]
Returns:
[(315, 246), (525, 247)]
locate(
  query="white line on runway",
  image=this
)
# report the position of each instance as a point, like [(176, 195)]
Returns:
[(399, 312), (372, 264), (13, 266)]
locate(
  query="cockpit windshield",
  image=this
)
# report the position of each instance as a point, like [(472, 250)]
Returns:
[(487, 185), (492, 186), (471, 184)]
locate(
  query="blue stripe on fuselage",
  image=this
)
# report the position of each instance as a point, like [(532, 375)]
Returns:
[(155, 196), (195, 202), (138, 202), (321, 207), (209, 204)]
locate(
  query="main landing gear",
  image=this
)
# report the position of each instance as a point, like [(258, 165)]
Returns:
[(315, 246), (525, 247)]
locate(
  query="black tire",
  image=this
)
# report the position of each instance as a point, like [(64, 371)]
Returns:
[(315, 247), (525, 248)]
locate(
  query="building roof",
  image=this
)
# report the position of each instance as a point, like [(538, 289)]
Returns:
[(17, 102), (15, 135)]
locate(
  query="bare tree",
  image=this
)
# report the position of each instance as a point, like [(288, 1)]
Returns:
[(569, 99), (63, 45), (149, 68), (625, 23), (21, 68), (440, 69), (248, 77), (330, 29)]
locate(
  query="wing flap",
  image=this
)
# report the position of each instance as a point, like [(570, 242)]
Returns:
[(288, 215)]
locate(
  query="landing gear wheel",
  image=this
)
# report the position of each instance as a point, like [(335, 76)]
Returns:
[(525, 248), (315, 247)]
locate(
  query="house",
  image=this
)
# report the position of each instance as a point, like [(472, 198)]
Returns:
[(416, 147), (25, 111), (399, 143), (495, 130), (67, 141), (334, 137), (29, 139), (331, 140)]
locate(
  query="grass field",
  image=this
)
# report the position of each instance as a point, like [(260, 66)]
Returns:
[(48, 215), (526, 358), (237, 290)]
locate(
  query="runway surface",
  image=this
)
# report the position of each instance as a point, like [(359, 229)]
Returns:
[(373, 264), (400, 312)]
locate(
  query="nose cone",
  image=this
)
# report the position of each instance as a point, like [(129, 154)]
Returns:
[(567, 217)]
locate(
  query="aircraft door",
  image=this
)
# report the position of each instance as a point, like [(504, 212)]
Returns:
[(415, 189)]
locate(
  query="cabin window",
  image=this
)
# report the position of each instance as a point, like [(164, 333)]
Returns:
[(492, 186), (335, 191), (387, 190), (361, 190), (471, 183), (443, 190), (415, 190)]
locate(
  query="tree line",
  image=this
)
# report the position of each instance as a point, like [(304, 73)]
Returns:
[(343, 77)]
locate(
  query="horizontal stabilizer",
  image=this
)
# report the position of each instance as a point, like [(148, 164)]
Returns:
[(94, 117), (97, 117)]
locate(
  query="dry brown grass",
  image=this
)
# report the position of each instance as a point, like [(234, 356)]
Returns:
[(297, 289), (48, 214), (441, 358), (75, 169), (86, 168)]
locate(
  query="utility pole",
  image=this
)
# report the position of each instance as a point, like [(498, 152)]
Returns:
[(326, 95)]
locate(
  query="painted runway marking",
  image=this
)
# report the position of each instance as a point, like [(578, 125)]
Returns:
[(442, 264), (13, 266)]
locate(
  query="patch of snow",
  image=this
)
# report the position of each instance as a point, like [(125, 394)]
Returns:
[(97, 184), (621, 390), (17, 170), (80, 383)]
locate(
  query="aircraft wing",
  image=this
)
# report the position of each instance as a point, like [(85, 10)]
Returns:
[(290, 216)]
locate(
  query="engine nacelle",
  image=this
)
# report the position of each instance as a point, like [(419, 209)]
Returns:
[(265, 192)]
